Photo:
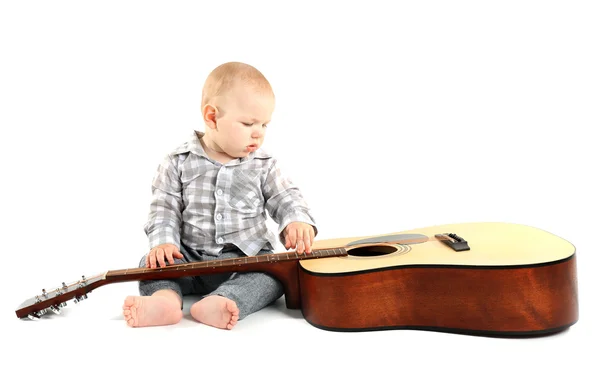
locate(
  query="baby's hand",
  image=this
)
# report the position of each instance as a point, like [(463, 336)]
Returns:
[(299, 235), (158, 254)]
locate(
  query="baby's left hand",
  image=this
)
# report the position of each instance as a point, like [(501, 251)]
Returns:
[(299, 235)]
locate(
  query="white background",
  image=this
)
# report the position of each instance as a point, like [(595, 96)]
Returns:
[(388, 118)]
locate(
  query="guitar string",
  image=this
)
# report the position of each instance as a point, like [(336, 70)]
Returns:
[(230, 262), (61, 290), (216, 263)]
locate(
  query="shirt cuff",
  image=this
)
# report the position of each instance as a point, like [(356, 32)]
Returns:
[(163, 236)]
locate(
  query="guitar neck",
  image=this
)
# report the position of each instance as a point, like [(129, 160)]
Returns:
[(264, 263), (280, 265)]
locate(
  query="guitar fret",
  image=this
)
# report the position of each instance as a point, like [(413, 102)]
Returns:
[(274, 257)]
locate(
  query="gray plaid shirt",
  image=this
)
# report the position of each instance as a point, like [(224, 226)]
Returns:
[(202, 206)]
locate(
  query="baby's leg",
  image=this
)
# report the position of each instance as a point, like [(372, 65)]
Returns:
[(160, 302), (236, 298)]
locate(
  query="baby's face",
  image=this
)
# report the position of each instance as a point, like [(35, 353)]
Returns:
[(242, 121)]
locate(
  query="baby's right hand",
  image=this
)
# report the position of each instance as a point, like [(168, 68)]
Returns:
[(158, 254)]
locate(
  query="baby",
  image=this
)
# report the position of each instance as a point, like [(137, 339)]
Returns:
[(209, 201)]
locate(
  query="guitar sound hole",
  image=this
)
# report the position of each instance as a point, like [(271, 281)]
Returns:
[(372, 251)]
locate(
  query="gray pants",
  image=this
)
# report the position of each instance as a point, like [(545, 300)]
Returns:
[(251, 291)]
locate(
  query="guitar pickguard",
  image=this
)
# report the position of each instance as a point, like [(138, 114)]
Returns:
[(396, 238)]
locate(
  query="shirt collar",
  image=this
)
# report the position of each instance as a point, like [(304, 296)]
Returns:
[(193, 145)]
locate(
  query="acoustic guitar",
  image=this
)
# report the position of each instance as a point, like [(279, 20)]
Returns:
[(492, 279)]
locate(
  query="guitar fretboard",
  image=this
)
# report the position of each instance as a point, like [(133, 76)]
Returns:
[(230, 262)]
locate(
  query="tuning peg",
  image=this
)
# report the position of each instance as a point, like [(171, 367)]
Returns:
[(44, 293), (64, 286), (55, 309), (62, 304), (37, 314), (82, 282), (80, 298)]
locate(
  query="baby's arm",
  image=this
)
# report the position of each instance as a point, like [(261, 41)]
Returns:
[(164, 219), (287, 207)]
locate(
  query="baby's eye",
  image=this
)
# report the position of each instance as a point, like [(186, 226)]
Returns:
[(246, 124)]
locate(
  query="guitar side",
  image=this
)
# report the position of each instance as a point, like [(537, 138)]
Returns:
[(480, 301), (433, 290)]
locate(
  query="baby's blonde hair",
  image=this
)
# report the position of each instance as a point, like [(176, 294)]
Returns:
[(224, 77)]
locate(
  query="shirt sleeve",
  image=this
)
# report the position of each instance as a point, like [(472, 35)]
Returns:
[(164, 221), (284, 201)]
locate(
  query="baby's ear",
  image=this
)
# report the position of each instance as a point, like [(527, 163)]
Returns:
[(209, 114)]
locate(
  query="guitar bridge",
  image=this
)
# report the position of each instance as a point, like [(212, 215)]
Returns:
[(453, 241)]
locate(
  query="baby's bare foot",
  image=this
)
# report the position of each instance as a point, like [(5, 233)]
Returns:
[(151, 311), (216, 311)]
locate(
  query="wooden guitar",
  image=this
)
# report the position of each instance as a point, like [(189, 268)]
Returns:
[(495, 279)]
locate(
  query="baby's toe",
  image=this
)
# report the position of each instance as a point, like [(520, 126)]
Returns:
[(129, 301), (232, 308)]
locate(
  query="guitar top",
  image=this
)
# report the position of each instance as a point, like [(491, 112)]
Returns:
[(490, 244)]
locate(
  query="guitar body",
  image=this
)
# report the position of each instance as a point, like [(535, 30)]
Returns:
[(514, 280)]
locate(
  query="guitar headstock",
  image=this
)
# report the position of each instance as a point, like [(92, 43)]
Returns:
[(54, 300)]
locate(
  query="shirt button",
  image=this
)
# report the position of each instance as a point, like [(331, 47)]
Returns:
[(219, 192), (219, 216), (220, 240)]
